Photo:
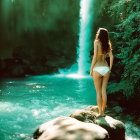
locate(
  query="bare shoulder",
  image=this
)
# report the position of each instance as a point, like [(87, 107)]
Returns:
[(96, 42)]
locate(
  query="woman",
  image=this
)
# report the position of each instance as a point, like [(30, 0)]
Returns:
[(100, 71)]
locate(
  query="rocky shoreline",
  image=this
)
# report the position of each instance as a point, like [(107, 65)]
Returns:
[(82, 125)]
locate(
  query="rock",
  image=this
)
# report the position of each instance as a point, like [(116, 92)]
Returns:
[(84, 125), (92, 108), (67, 128), (115, 128), (84, 116)]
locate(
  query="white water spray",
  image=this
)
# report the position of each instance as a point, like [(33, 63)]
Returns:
[(85, 36), (82, 67)]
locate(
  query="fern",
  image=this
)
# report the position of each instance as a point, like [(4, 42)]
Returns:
[(127, 41)]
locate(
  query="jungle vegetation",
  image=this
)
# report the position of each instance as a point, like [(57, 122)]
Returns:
[(122, 19)]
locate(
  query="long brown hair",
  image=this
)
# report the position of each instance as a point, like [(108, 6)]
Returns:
[(103, 36)]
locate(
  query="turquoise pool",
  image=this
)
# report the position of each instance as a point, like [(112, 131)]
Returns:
[(26, 103)]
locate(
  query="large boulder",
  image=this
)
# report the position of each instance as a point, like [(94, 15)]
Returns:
[(84, 116), (115, 128), (82, 125), (67, 128)]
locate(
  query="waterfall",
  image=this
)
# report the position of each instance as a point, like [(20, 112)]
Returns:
[(85, 36), (82, 67), (18, 21)]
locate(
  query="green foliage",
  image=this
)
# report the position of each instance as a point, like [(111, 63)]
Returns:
[(128, 28), (124, 24)]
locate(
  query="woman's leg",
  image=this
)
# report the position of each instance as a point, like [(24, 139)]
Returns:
[(104, 87), (97, 78)]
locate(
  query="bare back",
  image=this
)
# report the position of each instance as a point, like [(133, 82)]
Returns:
[(101, 58)]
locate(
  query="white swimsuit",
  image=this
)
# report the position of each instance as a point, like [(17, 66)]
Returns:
[(101, 69)]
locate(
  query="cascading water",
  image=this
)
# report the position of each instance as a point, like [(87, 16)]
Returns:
[(25, 22), (85, 37), (85, 40)]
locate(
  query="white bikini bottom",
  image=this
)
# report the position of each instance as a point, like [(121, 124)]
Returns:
[(101, 69)]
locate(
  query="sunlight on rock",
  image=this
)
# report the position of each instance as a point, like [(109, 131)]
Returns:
[(109, 120), (70, 129)]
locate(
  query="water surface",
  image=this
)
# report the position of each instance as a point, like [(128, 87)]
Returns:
[(26, 103)]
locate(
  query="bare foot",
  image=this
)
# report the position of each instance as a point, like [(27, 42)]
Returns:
[(100, 115), (103, 115)]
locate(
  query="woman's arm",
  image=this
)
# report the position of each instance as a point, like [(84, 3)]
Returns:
[(111, 59), (95, 55)]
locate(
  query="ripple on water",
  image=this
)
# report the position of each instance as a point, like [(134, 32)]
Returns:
[(27, 103)]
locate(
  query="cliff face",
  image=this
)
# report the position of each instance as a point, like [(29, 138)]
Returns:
[(83, 125), (42, 35)]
